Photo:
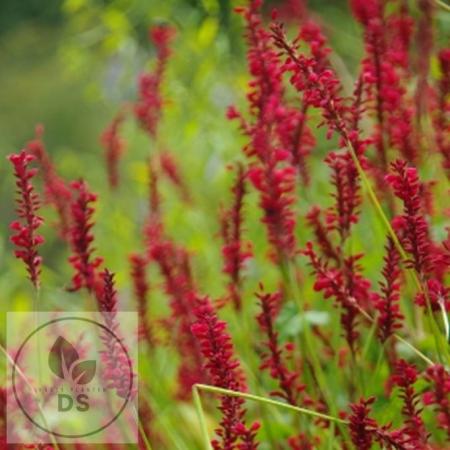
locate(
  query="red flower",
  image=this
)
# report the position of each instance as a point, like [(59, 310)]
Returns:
[(361, 425), (274, 359), (319, 84), (148, 108), (439, 395), (276, 186), (81, 239), (114, 146), (141, 289), (387, 40), (390, 318), (321, 234), (233, 253), (349, 288), (347, 199), (116, 361), (225, 372), (404, 377), (171, 169), (174, 265), (25, 235), (407, 187), (57, 193), (441, 120), (276, 136)]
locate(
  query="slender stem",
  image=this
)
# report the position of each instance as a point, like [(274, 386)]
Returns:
[(442, 5), (445, 319), (399, 338), (268, 401), (201, 414), (144, 437)]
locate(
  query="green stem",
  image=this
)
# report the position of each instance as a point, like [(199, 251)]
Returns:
[(142, 431), (201, 415), (267, 401), (442, 5), (399, 338)]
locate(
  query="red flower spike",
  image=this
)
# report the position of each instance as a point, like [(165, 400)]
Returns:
[(425, 43), (141, 288), (81, 239), (319, 84), (171, 169), (115, 361), (321, 235), (404, 377), (273, 358), (441, 117), (25, 236), (348, 287), (57, 193), (153, 188), (387, 40), (225, 372), (114, 146), (278, 138), (390, 318), (412, 227), (174, 265), (405, 182), (345, 179), (439, 395), (233, 252), (148, 108), (361, 425)]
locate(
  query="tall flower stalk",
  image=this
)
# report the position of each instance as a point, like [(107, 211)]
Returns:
[(225, 372), (233, 251), (25, 236)]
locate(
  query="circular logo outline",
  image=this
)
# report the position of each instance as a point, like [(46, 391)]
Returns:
[(130, 367)]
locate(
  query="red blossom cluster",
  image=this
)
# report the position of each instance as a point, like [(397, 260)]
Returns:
[(117, 363), (170, 169), (57, 193), (442, 110), (404, 377), (25, 235), (225, 372), (365, 431), (114, 146), (174, 265), (149, 106), (233, 251), (387, 38), (439, 395), (346, 285), (390, 318), (412, 227), (141, 287), (274, 359), (279, 139), (81, 239)]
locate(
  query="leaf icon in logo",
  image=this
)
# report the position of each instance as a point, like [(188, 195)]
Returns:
[(83, 372), (61, 357)]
